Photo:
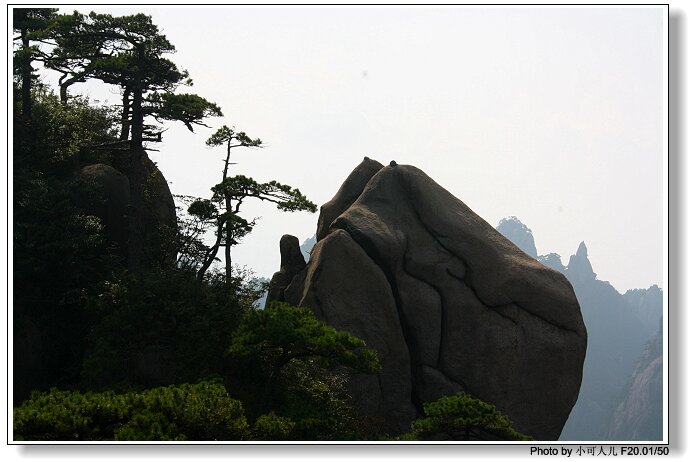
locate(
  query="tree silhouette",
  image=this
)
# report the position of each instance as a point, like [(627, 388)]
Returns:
[(235, 190), (27, 21), (231, 139)]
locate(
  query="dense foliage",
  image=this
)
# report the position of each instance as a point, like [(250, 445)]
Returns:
[(203, 411), (160, 328), (281, 333), (298, 368), (60, 248)]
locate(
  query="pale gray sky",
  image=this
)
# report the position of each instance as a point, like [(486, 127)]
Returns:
[(555, 115)]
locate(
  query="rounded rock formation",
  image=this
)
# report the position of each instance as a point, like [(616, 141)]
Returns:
[(448, 303), (111, 203)]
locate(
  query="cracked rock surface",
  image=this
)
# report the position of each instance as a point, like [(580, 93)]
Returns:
[(448, 303)]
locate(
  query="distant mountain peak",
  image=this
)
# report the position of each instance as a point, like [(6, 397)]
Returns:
[(552, 260), (579, 267), (582, 252), (308, 245), (513, 229)]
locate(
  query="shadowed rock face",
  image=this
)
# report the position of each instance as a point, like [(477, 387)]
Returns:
[(159, 201), (448, 302), (112, 205), (113, 188), (291, 262)]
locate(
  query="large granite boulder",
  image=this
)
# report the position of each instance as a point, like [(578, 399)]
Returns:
[(448, 303)]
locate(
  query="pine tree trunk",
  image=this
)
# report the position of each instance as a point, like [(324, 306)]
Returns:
[(65, 85), (228, 245), (26, 76), (136, 222), (228, 229), (125, 115)]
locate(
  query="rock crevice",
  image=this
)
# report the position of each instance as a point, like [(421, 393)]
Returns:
[(373, 254), (448, 303)]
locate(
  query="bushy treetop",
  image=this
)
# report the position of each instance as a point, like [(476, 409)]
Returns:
[(282, 332), (462, 417)]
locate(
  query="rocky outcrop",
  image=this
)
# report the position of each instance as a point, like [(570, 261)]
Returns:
[(448, 303), (291, 262)]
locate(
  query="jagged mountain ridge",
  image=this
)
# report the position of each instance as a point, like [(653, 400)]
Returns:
[(619, 326)]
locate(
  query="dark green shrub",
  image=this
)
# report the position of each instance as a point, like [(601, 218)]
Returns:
[(203, 411), (462, 417), (272, 427), (161, 328)]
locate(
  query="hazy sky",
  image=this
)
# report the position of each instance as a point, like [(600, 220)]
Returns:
[(555, 115)]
